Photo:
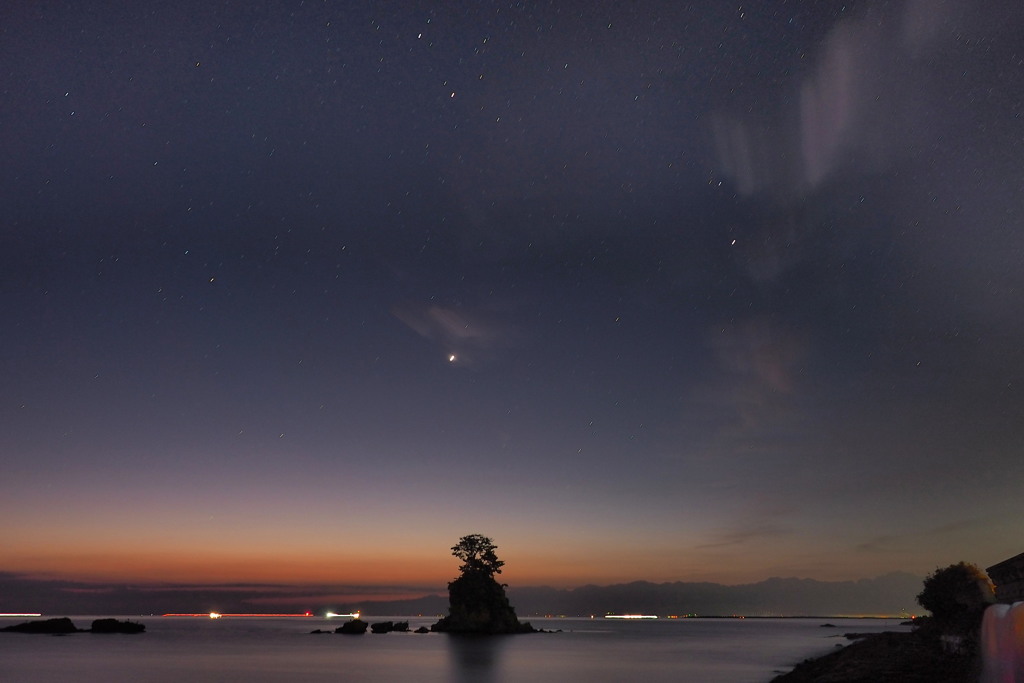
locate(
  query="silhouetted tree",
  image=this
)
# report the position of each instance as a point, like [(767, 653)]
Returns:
[(476, 601), (477, 555), (957, 596)]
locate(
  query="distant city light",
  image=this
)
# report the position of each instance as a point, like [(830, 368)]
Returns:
[(20, 614), (630, 616)]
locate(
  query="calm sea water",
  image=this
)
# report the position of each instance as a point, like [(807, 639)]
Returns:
[(256, 649)]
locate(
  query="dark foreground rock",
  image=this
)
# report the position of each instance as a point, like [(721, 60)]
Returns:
[(58, 626), (116, 626), (883, 658)]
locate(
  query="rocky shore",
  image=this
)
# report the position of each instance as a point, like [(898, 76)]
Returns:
[(883, 658)]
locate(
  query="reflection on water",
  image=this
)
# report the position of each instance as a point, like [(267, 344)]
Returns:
[(269, 650), (476, 659)]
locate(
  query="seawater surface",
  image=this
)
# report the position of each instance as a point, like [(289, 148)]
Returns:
[(260, 649)]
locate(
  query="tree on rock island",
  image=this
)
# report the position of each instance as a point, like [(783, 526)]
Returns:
[(476, 601)]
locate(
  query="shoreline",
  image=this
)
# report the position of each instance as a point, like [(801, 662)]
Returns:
[(886, 656)]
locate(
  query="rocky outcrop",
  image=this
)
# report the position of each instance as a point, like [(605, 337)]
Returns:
[(353, 627), (477, 604), (389, 626), (116, 626), (47, 626), (64, 625)]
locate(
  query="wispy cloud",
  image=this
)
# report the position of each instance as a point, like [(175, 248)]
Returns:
[(744, 534), (465, 337), (842, 111), (888, 543)]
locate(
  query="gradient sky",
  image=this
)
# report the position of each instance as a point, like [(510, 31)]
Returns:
[(302, 292)]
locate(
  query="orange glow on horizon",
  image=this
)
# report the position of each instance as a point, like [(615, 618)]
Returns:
[(221, 615), (201, 567), (349, 565), (322, 570), (391, 570), (345, 598)]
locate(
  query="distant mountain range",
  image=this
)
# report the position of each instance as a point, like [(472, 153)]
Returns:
[(890, 594)]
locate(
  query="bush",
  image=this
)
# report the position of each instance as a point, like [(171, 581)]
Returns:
[(957, 597)]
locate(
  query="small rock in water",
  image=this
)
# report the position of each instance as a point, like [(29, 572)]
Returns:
[(115, 626), (355, 627), (382, 627)]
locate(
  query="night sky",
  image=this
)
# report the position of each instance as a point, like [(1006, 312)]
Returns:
[(302, 292)]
